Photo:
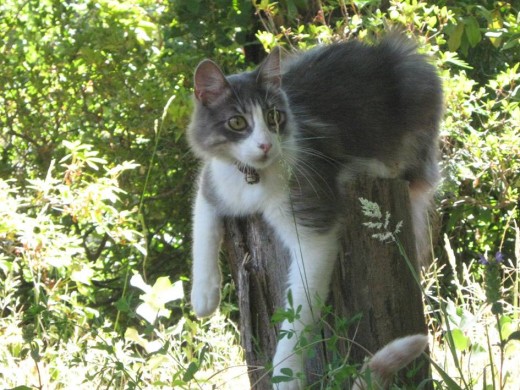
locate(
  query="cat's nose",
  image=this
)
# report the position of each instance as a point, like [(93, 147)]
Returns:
[(266, 147)]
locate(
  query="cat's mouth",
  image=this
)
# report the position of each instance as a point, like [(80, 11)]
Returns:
[(251, 175)]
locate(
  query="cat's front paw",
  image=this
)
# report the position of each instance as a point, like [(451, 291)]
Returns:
[(205, 296)]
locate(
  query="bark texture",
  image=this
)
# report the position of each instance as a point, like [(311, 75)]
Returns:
[(371, 279)]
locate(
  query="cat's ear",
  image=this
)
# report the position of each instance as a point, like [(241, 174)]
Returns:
[(210, 82), (270, 72)]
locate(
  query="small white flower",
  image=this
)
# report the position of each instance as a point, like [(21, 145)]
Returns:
[(156, 296)]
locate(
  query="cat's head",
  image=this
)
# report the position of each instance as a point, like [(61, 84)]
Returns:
[(243, 118)]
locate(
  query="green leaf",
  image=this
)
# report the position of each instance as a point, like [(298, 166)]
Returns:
[(35, 352), (514, 336), (292, 10), (280, 379), (278, 316), (190, 372), (289, 298), (513, 42), (452, 385), (122, 305), (472, 31), (456, 37), (460, 340)]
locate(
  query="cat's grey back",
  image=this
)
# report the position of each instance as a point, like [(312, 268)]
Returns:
[(359, 106), (370, 96)]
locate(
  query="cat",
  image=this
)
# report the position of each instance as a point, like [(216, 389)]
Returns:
[(284, 139)]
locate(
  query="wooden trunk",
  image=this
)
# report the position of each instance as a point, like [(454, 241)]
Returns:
[(371, 278)]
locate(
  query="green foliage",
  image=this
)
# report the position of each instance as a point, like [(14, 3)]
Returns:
[(477, 328), (39, 229), (94, 72), (96, 180)]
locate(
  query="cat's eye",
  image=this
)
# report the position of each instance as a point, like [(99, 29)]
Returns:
[(275, 118), (237, 123)]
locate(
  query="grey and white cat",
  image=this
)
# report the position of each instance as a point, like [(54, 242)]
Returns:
[(283, 140)]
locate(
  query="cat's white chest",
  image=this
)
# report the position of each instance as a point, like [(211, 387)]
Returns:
[(241, 198)]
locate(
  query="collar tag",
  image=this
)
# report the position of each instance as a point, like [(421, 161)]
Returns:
[(250, 174), (252, 177)]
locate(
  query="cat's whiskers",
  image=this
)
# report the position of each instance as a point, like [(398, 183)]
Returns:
[(304, 169), (293, 166), (315, 153), (310, 169), (297, 160)]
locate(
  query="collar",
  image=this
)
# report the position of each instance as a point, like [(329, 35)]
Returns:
[(251, 175)]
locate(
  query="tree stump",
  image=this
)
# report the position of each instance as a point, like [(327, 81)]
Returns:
[(371, 279)]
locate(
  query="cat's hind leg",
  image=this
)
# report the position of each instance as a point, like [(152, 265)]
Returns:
[(313, 257)]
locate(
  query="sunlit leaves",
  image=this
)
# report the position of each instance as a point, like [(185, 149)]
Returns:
[(149, 346), (81, 153)]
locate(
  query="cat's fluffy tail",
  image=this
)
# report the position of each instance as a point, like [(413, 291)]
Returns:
[(390, 359)]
